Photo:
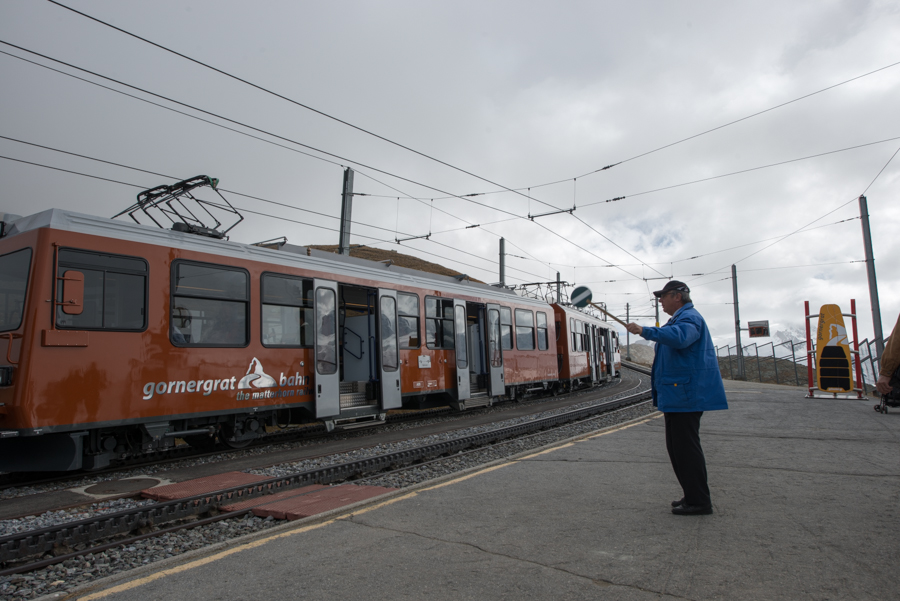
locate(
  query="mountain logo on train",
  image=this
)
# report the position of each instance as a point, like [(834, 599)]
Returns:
[(255, 378)]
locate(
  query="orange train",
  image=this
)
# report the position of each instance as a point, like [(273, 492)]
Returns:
[(116, 339)]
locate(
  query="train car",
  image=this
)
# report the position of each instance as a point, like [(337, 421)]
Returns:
[(587, 348), (121, 338)]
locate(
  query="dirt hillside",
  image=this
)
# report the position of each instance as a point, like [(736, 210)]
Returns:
[(378, 254)]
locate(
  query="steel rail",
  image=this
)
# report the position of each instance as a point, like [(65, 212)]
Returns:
[(27, 544)]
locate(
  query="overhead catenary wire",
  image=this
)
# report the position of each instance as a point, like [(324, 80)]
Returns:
[(708, 131), (292, 101), (714, 177), (814, 220), (250, 196), (575, 180), (351, 161)]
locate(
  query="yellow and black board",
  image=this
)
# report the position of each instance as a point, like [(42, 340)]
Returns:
[(833, 367)]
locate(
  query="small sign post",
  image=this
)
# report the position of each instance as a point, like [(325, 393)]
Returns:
[(758, 329), (581, 297)]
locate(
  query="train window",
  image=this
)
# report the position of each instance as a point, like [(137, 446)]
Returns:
[(572, 334), (115, 291), (506, 328), (582, 337), (326, 332), (543, 340), (287, 311), (408, 320), (578, 335), (14, 269), (210, 305), (524, 330), (462, 358), (494, 338), (389, 358), (438, 322)]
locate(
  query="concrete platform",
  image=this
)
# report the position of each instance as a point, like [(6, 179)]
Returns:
[(805, 492)]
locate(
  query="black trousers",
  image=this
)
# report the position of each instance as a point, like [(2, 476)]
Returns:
[(686, 455)]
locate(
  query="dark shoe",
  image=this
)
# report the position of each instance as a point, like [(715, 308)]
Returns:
[(692, 510), (678, 503)]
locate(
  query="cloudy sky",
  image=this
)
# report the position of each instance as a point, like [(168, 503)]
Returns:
[(521, 94)]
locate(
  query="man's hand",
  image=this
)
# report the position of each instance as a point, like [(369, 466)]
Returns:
[(636, 329), (883, 385)]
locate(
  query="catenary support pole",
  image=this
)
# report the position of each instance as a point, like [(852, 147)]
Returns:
[(346, 210), (870, 270), (737, 327), (503, 262), (558, 284), (860, 389), (809, 352), (656, 304), (627, 333)]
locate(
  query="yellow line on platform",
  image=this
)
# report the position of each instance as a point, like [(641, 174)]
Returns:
[(200, 562)]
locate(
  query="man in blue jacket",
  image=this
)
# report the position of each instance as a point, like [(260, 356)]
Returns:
[(685, 382)]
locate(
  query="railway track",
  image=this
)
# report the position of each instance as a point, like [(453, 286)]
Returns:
[(25, 551), (311, 432), (315, 432)]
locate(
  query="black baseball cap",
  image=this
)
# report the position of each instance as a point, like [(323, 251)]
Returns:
[(670, 286)]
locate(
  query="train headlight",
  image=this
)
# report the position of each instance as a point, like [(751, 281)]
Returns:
[(6, 375)]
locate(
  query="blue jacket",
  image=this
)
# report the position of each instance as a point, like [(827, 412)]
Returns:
[(685, 370)]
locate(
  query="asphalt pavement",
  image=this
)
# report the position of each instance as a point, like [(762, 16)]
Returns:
[(805, 496)]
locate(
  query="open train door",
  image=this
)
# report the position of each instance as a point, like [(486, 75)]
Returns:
[(389, 353), (327, 375), (495, 353), (460, 327)]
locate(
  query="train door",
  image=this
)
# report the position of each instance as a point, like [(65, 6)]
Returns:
[(327, 373), (360, 349), (616, 357), (389, 351), (602, 337), (460, 327), (495, 353), (595, 354), (478, 350)]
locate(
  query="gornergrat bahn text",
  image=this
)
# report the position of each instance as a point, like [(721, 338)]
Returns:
[(116, 339)]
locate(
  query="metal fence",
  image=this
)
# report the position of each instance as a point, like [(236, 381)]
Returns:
[(786, 363), (783, 363)]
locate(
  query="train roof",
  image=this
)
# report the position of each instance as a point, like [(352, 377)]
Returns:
[(286, 255)]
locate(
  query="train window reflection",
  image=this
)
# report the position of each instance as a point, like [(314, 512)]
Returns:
[(524, 330), (389, 353), (542, 337), (326, 332), (287, 311), (462, 359), (439, 323), (206, 311), (115, 291), (506, 328), (494, 338), (408, 320), (14, 269)]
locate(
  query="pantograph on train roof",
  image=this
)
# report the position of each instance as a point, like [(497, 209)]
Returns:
[(184, 209)]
